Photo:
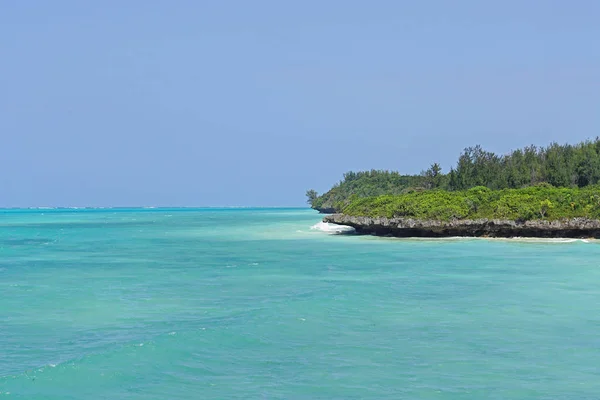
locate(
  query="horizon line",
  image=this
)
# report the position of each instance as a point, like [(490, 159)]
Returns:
[(146, 207)]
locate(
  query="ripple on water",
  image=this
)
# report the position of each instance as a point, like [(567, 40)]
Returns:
[(117, 313)]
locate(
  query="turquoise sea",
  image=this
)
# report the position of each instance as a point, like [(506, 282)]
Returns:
[(254, 304)]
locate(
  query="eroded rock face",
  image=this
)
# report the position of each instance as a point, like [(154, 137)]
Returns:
[(409, 227), (325, 210)]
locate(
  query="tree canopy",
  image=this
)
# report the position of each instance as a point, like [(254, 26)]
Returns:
[(363, 184), (565, 165), (535, 202)]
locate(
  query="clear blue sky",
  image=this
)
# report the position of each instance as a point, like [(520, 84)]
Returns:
[(193, 103)]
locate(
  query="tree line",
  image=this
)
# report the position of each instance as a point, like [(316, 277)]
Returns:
[(558, 165)]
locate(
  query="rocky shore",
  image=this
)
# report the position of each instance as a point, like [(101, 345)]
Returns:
[(408, 227), (325, 210)]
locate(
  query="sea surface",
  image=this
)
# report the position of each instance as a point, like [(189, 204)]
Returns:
[(254, 304)]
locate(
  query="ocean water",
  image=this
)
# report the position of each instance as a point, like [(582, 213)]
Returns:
[(254, 304)]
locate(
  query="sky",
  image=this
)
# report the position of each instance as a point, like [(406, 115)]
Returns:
[(251, 103)]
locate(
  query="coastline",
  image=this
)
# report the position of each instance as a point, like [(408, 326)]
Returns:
[(575, 228), (325, 210)]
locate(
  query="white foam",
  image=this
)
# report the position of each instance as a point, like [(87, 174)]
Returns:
[(519, 239), (545, 240), (332, 228)]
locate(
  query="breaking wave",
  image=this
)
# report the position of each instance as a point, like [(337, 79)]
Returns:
[(332, 228)]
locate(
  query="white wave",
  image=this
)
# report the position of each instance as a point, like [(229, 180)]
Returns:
[(433, 239), (519, 239), (548, 240), (516, 239), (332, 228)]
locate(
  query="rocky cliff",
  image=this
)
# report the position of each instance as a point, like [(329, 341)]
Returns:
[(325, 210), (407, 227)]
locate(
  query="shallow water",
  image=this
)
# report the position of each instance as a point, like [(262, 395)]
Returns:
[(253, 303)]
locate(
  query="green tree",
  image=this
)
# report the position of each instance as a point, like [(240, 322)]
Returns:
[(433, 176), (311, 196), (545, 206), (559, 165)]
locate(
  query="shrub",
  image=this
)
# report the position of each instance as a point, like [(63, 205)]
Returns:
[(536, 202)]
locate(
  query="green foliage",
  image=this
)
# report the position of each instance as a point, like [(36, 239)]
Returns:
[(559, 165), (535, 202), (364, 184), (311, 196), (433, 177), (545, 206), (556, 165)]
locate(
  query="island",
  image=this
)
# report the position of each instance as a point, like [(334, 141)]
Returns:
[(581, 228), (535, 192)]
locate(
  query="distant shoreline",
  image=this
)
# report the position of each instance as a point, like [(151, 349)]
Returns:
[(149, 208), (575, 228)]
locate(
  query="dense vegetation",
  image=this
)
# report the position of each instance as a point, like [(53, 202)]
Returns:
[(362, 184), (559, 165), (536, 202), (569, 166)]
